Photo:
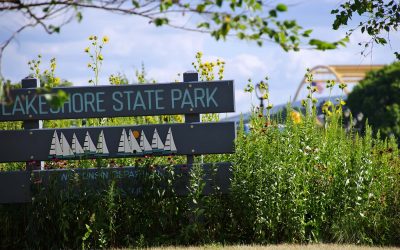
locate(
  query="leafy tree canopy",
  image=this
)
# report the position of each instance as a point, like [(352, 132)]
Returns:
[(377, 98)]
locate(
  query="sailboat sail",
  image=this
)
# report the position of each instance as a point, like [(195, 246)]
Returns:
[(76, 147), (102, 145), (134, 144), (144, 143), (55, 148), (66, 149), (156, 143), (124, 144), (170, 143), (88, 145)]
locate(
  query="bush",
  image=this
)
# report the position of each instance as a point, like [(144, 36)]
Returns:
[(377, 97)]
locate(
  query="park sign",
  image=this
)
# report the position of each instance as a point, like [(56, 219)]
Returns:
[(33, 144), (121, 101)]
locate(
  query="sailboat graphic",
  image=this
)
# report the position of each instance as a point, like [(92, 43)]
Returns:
[(76, 147), (169, 143), (66, 149), (156, 143), (134, 144), (88, 145), (144, 144), (102, 145), (124, 147), (55, 147)]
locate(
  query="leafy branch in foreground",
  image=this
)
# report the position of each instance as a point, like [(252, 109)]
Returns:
[(378, 18), (246, 19)]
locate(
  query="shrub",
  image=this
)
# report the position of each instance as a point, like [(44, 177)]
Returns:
[(377, 97)]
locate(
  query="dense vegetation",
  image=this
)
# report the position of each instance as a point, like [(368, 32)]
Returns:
[(377, 99)]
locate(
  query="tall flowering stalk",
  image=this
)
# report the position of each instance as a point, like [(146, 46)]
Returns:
[(310, 102), (96, 57), (206, 69)]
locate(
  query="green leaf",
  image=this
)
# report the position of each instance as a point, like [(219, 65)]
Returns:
[(53, 28), (307, 33), (200, 8), (321, 45), (225, 29), (241, 35), (281, 7), (135, 4), (204, 25), (380, 40), (397, 54), (79, 16), (56, 100), (160, 21)]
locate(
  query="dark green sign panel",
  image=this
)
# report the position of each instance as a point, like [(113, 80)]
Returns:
[(122, 100), (114, 142)]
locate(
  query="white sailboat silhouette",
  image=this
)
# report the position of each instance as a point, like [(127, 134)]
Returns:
[(88, 145), (124, 144), (134, 144), (156, 143), (102, 145), (55, 147), (66, 148), (170, 143), (76, 147), (144, 144)]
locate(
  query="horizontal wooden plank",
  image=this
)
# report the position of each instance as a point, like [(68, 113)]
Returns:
[(21, 186), (122, 101), (115, 142)]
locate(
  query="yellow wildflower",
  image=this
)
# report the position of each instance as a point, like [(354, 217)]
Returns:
[(295, 116), (57, 80), (105, 39), (87, 49)]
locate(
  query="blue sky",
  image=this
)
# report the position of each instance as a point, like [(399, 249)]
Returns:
[(166, 52)]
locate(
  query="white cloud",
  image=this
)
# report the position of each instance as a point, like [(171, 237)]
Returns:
[(243, 101), (246, 65)]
